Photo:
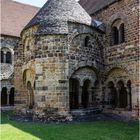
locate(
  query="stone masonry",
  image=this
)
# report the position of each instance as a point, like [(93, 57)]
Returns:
[(66, 60)]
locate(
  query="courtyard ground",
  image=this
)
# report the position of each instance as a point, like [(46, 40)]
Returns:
[(98, 130)]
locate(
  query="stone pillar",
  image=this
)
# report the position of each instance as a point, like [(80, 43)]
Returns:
[(90, 97), (8, 97), (118, 97), (4, 56), (28, 98), (103, 96), (128, 98), (80, 97)]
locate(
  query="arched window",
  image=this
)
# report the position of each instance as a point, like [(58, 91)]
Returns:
[(87, 41), (117, 32), (2, 57), (121, 31), (8, 58), (115, 35)]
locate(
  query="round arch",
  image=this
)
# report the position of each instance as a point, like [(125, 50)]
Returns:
[(114, 17), (115, 74), (28, 75), (83, 82)]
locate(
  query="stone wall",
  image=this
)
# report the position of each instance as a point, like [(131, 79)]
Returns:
[(48, 62), (125, 55), (44, 63), (8, 43), (45, 66), (86, 62)]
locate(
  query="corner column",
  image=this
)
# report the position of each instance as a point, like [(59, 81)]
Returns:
[(4, 56), (118, 97)]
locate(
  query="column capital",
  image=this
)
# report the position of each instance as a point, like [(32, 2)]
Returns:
[(4, 51), (8, 91)]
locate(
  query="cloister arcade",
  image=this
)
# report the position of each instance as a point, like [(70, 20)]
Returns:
[(7, 96), (82, 88)]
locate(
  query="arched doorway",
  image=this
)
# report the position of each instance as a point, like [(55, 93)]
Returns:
[(122, 95), (74, 94), (4, 96), (11, 96), (85, 94), (30, 95), (112, 95)]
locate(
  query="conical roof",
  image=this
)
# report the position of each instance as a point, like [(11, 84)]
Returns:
[(54, 15)]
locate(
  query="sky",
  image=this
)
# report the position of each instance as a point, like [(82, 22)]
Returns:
[(38, 3)]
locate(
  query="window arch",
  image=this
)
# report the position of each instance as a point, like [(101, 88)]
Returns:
[(6, 55), (87, 41), (117, 32)]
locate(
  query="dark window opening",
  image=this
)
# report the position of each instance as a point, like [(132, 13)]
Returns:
[(28, 48), (87, 41), (115, 36), (2, 57), (11, 97), (8, 58)]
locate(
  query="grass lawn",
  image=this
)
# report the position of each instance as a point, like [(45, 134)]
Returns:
[(100, 130)]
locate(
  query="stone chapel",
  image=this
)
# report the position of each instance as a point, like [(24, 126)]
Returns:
[(79, 56)]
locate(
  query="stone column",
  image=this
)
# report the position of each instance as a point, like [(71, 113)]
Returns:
[(80, 97), (4, 56), (8, 97), (129, 100), (118, 97), (103, 96), (28, 98), (90, 97)]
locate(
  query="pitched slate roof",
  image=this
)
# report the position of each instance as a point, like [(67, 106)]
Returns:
[(92, 6), (54, 15), (14, 16)]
